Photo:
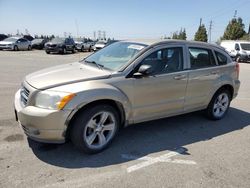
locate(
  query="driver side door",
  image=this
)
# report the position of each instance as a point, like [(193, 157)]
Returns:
[(162, 93)]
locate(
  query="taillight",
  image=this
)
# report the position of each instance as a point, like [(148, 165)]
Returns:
[(237, 67)]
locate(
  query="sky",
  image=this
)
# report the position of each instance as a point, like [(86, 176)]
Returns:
[(121, 19)]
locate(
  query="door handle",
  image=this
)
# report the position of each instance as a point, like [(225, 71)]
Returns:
[(180, 77)]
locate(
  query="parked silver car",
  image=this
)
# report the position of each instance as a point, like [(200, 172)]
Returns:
[(83, 44), (124, 83), (15, 43)]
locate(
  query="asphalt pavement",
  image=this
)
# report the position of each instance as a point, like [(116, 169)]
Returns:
[(182, 151)]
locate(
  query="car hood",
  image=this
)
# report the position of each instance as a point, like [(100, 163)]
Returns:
[(99, 45), (6, 42), (65, 74)]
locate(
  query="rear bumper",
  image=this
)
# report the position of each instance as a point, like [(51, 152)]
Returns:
[(236, 88), (39, 124)]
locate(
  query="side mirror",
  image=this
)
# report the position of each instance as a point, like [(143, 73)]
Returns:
[(144, 70), (237, 48)]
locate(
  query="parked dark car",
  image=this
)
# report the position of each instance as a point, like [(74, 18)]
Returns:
[(3, 36), (60, 45), (38, 43)]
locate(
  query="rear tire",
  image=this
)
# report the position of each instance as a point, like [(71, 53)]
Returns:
[(94, 129), (47, 52), (219, 105)]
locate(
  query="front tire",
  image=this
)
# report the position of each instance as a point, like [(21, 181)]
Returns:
[(219, 105), (95, 128), (15, 48), (29, 48)]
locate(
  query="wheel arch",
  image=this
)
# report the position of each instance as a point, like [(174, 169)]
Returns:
[(227, 87), (115, 104)]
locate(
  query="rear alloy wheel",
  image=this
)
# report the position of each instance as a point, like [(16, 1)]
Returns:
[(94, 129), (219, 105)]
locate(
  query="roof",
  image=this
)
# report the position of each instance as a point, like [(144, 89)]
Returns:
[(155, 42)]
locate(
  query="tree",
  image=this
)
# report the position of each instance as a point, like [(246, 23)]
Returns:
[(175, 35), (245, 37), (201, 34), (180, 35), (234, 30)]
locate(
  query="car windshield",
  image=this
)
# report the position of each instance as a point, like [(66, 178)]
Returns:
[(245, 46), (116, 55), (11, 39), (37, 40), (101, 42), (57, 40)]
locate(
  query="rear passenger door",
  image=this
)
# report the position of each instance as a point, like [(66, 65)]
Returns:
[(202, 79)]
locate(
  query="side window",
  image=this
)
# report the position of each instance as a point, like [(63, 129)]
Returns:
[(67, 41), (165, 60), (237, 47), (201, 58), (222, 59)]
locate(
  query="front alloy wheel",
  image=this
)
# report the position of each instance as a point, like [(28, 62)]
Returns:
[(99, 130), (94, 128)]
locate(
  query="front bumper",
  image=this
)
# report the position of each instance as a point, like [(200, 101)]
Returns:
[(39, 124), (245, 57), (54, 49), (6, 47)]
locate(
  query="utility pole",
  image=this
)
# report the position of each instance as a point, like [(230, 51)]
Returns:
[(235, 13), (249, 30), (94, 35), (210, 30), (200, 21), (99, 34)]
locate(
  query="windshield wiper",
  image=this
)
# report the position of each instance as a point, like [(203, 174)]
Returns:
[(93, 62)]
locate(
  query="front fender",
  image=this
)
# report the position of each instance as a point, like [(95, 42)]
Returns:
[(90, 91)]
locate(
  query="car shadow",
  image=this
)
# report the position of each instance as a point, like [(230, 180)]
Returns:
[(145, 138)]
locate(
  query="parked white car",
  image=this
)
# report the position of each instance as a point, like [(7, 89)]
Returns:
[(15, 43), (240, 50), (99, 45)]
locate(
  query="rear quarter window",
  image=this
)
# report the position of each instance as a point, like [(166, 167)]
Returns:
[(222, 59)]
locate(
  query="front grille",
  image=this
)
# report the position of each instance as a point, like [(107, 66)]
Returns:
[(24, 95), (51, 45)]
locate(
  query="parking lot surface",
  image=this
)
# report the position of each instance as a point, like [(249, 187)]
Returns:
[(183, 151)]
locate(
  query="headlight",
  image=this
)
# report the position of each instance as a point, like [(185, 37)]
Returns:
[(52, 99)]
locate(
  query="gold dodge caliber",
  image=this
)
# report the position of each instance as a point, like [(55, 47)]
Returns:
[(124, 83)]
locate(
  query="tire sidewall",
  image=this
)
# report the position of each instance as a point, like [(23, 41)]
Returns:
[(80, 122)]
